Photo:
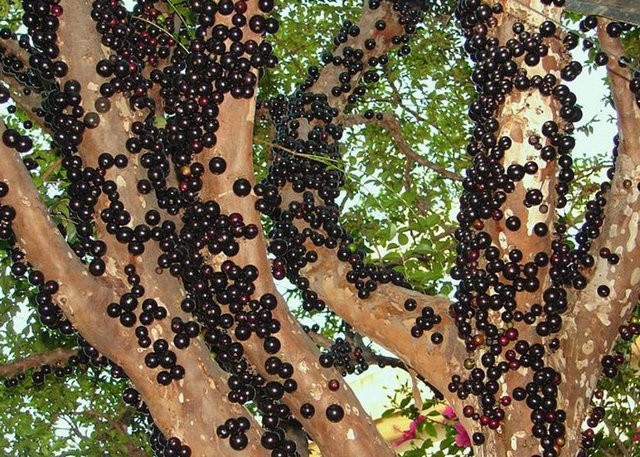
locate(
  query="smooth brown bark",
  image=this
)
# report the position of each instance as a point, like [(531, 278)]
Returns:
[(191, 408), (357, 432)]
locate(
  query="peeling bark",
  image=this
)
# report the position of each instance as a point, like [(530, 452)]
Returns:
[(594, 320)]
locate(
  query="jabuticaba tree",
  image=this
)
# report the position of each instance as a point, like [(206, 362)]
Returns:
[(169, 277)]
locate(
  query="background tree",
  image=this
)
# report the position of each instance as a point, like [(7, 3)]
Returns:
[(161, 173)]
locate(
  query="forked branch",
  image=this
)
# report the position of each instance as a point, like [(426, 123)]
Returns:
[(201, 395)]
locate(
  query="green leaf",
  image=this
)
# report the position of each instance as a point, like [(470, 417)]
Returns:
[(159, 122)]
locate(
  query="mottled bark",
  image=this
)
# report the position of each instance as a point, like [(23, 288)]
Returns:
[(521, 118), (191, 408), (591, 328), (357, 432), (82, 52)]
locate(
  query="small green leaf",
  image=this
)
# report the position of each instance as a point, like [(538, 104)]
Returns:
[(159, 122)]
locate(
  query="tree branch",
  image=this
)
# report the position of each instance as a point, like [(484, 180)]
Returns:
[(399, 101), (356, 433), (201, 396), (371, 358), (120, 427), (392, 125), (235, 145), (383, 318), (613, 288), (82, 52), (520, 225), (30, 101), (10, 47), (58, 356)]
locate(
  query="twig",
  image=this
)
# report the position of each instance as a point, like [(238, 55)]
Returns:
[(119, 424), (392, 125), (50, 169), (415, 390), (322, 159), (616, 439), (162, 29)]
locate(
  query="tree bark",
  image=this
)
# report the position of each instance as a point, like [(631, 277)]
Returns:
[(594, 322), (56, 357), (191, 408)]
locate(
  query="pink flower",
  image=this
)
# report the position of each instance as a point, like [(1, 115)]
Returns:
[(448, 413), (636, 436), (411, 432), (462, 437)]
